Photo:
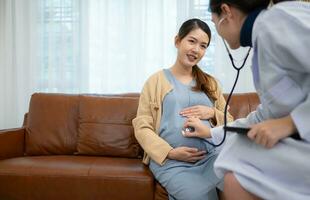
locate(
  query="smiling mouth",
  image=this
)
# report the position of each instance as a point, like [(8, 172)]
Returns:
[(191, 57)]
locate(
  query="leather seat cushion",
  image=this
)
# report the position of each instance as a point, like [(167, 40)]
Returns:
[(74, 177)]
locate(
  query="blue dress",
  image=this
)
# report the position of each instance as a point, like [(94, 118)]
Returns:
[(185, 180)]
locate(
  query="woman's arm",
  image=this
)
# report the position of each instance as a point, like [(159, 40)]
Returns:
[(144, 127)]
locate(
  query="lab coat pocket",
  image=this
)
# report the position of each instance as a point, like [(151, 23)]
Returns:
[(283, 97)]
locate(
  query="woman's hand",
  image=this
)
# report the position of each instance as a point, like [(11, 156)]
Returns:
[(201, 130), (202, 112), (186, 154), (268, 133)]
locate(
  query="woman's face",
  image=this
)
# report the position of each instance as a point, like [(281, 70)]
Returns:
[(192, 47), (228, 25)]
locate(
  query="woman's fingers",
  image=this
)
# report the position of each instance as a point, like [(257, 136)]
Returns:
[(195, 159), (192, 111), (197, 156), (200, 111), (192, 114), (264, 141), (189, 154), (188, 134), (262, 136), (252, 133), (191, 150), (190, 122), (271, 143), (188, 110), (199, 153), (199, 129)]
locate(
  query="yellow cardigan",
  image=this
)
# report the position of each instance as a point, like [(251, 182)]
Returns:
[(147, 122)]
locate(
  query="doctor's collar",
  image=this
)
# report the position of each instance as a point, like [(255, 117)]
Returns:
[(247, 28)]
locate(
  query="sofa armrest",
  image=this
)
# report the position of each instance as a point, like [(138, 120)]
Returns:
[(12, 142)]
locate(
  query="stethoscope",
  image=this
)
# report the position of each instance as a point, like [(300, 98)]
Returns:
[(232, 90)]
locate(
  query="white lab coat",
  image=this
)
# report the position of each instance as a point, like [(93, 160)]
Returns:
[(281, 73)]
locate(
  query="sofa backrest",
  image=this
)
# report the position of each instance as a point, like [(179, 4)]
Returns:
[(52, 124), (105, 126), (60, 124)]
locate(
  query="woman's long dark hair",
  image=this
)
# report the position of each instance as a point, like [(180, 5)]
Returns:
[(204, 82)]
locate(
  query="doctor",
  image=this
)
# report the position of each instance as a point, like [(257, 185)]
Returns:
[(267, 163)]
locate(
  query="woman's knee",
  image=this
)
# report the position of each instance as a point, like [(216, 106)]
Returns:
[(234, 190), (230, 180), (231, 185)]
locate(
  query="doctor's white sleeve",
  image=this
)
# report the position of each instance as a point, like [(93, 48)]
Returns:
[(254, 117)]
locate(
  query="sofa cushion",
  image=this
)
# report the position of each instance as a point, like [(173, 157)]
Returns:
[(52, 124), (74, 177), (106, 128)]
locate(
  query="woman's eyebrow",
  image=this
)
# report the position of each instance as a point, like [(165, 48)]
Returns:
[(193, 37)]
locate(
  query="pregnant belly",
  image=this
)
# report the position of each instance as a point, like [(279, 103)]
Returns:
[(176, 139)]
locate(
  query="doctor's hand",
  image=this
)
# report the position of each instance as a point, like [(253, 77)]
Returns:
[(186, 154), (202, 112), (268, 133), (201, 130)]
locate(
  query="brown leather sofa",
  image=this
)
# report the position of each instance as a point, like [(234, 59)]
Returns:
[(82, 147)]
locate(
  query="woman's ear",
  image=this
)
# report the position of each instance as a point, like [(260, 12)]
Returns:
[(226, 10), (176, 41)]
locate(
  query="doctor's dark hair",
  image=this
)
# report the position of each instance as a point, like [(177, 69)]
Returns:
[(204, 82), (245, 6)]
